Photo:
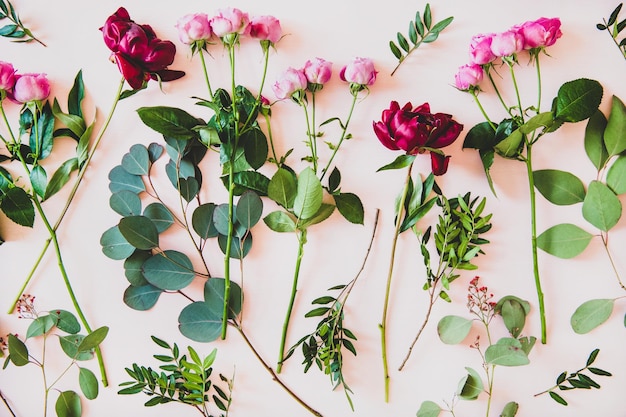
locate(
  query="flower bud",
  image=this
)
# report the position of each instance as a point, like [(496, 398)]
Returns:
[(360, 71), (289, 83), (468, 76), (507, 43), (31, 87), (266, 28), (7, 76), (194, 27)]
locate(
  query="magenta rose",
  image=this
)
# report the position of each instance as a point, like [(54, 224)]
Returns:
[(360, 71), (417, 131), (540, 33), (138, 53), (290, 82), (266, 28), (480, 49), (194, 27), (507, 43), (30, 87), (468, 76), (318, 70), (230, 21), (7, 76)]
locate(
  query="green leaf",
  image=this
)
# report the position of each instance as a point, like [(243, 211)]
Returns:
[(514, 316), (88, 383), (591, 314), (282, 188), (308, 198), (60, 177), (280, 221), (114, 245), (564, 240), (255, 147), (188, 188), (400, 162), (120, 179), (66, 321), (249, 209), (137, 160), (615, 132), (39, 180), (616, 176), (601, 207), (239, 248), (18, 207), (93, 339), (142, 297), (544, 119), (18, 352), (140, 232), (350, 207), (506, 352), (133, 267), (453, 329), (395, 50), (594, 140), (510, 409), (69, 345), (220, 218), (75, 123), (559, 187), (169, 121), (471, 386), (511, 146), (404, 44), (556, 397), (202, 221), (76, 95), (429, 409), (160, 216), (68, 405), (41, 325), (169, 270), (200, 323), (322, 214), (125, 203), (578, 100), (214, 297)]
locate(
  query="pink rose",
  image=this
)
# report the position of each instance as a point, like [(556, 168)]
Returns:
[(7, 76), (318, 71), (31, 87), (290, 82), (194, 27), (360, 71), (468, 76), (480, 49), (541, 32), (266, 28), (230, 21), (507, 43)]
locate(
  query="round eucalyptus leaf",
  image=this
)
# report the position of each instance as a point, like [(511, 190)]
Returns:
[(114, 245), (249, 209), (142, 297), (200, 323), (154, 151), (510, 409), (202, 221), (470, 386), (125, 203), (564, 240), (453, 329), (137, 160), (514, 317), (616, 176), (133, 267), (214, 297), (591, 314), (68, 405), (601, 207), (220, 218), (69, 345), (506, 352), (188, 188), (66, 321), (120, 179), (559, 187), (40, 326), (88, 383), (239, 248), (169, 270), (160, 216), (140, 232), (429, 409)]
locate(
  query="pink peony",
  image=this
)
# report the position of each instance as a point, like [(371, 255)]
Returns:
[(230, 21), (480, 49), (540, 33), (468, 76), (31, 87), (507, 43), (7, 76), (318, 71), (266, 28), (290, 82), (194, 27), (360, 71)]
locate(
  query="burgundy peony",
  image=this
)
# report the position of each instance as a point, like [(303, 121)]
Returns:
[(417, 131), (138, 53)]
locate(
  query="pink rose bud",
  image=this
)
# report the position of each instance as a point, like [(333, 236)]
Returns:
[(318, 71), (230, 21), (360, 71), (31, 87), (266, 28), (194, 27), (507, 43), (468, 76), (541, 32), (480, 49), (7, 76), (290, 82)]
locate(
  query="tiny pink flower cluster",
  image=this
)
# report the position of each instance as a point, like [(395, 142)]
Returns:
[(360, 73), (484, 49), (22, 88), (228, 22)]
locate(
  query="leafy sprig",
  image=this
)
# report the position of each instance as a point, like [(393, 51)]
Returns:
[(614, 28), (421, 30), (15, 30), (576, 380)]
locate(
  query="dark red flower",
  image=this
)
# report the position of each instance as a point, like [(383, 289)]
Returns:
[(138, 53), (417, 130)]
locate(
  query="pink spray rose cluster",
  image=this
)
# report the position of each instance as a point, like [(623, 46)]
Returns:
[(533, 36), (228, 24), (22, 88)]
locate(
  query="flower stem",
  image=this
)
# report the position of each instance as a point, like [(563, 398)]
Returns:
[(6, 403), (206, 74), (383, 325), (482, 110), (292, 298), (343, 136), (431, 303)]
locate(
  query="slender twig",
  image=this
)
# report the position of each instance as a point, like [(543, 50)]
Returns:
[(6, 403)]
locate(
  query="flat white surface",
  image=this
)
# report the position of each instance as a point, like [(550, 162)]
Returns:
[(336, 31)]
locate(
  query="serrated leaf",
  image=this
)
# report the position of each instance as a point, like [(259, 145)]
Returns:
[(594, 140), (350, 207), (308, 199), (615, 131), (18, 207), (280, 221), (578, 100), (169, 121)]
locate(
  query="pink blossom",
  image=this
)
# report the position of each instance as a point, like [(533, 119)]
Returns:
[(7, 76), (468, 76), (480, 49), (31, 87), (541, 32), (507, 43), (360, 71), (290, 82), (230, 21), (318, 71), (266, 28), (194, 27)]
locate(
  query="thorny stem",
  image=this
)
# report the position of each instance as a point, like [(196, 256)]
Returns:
[(383, 325), (605, 242), (274, 375), (6, 403)]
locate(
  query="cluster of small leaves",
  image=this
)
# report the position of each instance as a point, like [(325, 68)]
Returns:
[(324, 347), (37, 124), (576, 380), (614, 28), (15, 30), (605, 145), (76, 346), (184, 379), (421, 30)]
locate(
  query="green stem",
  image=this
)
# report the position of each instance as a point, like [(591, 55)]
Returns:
[(431, 303), (383, 325), (482, 110), (343, 135), (206, 74), (605, 242), (539, 88), (517, 96), (490, 378), (495, 88), (533, 223), (271, 140), (292, 298)]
